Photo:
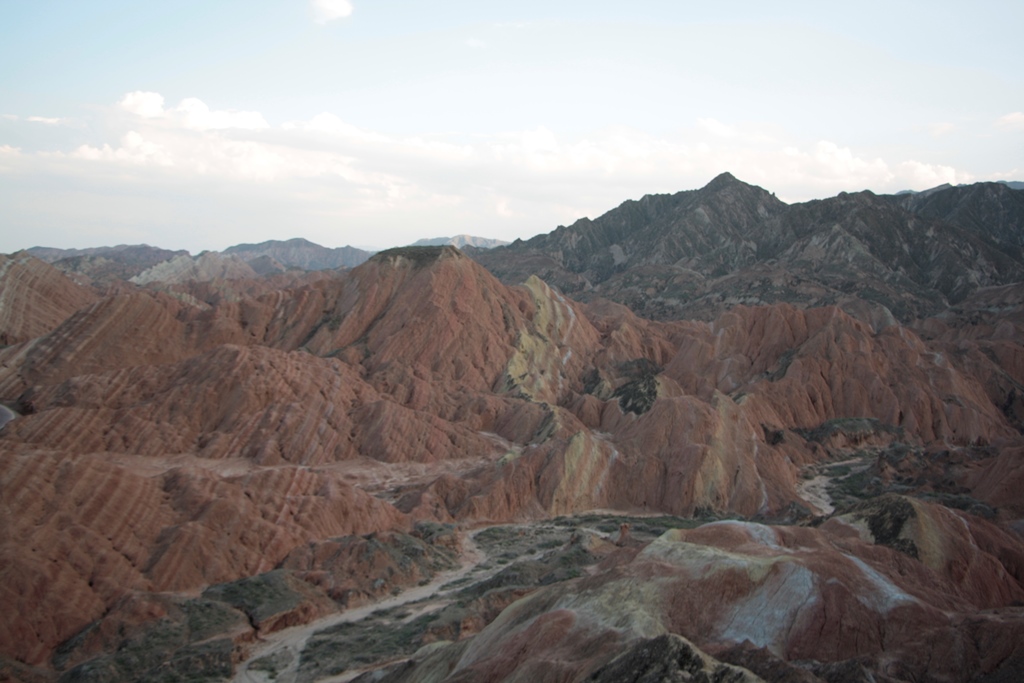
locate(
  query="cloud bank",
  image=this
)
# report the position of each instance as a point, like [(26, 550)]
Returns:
[(337, 183)]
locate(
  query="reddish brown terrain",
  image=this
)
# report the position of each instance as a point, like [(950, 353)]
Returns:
[(199, 460)]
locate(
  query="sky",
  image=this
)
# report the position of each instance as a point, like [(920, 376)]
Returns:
[(198, 125)]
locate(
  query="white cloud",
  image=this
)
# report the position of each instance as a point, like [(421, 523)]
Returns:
[(840, 162), (134, 149), (921, 176), (145, 104), (325, 122), (197, 116), (1011, 121), (329, 10), (191, 113), (476, 43), (48, 120), (538, 162)]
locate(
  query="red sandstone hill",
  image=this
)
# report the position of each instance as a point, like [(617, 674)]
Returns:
[(169, 440), (35, 298)]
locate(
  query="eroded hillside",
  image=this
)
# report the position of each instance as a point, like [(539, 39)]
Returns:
[(312, 434)]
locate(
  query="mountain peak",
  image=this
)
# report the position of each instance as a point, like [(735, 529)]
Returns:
[(419, 256), (727, 182), (301, 242), (722, 181)]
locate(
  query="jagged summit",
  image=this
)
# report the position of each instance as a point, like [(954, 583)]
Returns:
[(697, 253), (723, 181)]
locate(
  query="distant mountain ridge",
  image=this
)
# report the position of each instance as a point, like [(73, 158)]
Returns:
[(121, 252), (209, 265), (105, 265), (696, 253), (460, 241), (1012, 184), (142, 263), (301, 253)]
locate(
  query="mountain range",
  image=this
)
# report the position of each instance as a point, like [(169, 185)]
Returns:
[(695, 254), (704, 436), (144, 264)]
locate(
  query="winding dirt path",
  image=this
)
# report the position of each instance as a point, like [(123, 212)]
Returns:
[(815, 490), (293, 640)]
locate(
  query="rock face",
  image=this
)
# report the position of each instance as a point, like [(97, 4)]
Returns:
[(216, 426)]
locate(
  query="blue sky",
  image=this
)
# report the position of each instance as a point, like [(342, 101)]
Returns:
[(199, 125)]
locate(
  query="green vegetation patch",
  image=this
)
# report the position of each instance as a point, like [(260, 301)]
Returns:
[(860, 426), (260, 596), (420, 256), (274, 663), (886, 517), (161, 652), (339, 648)]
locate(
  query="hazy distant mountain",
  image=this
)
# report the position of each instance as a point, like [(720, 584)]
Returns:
[(1012, 184), (142, 263), (209, 265), (128, 253), (102, 265), (925, 193), (699, 252), (460, 241), (301, 253)]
